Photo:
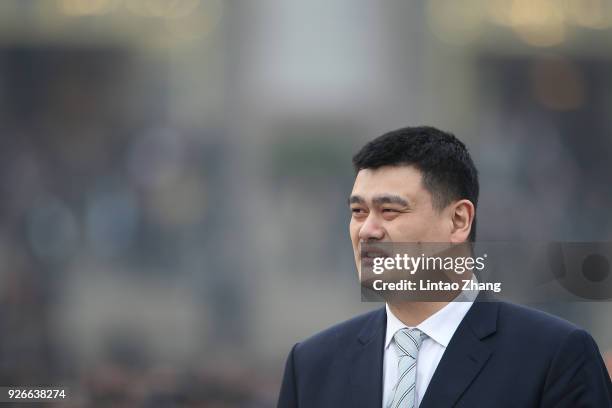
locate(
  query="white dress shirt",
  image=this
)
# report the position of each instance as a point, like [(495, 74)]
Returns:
[(439, 329)]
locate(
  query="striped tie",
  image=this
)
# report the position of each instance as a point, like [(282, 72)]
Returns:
[(407, 343)]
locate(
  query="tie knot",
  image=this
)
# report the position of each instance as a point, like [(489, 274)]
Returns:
[(408, 342)]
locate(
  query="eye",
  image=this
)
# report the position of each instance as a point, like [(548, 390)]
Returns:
[(358, 211), (390, 213)]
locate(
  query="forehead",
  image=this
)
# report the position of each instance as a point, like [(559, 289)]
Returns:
[(398, 180)]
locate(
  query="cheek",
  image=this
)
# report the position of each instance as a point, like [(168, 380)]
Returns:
[(410, 228), (354, 231), (437, 229)]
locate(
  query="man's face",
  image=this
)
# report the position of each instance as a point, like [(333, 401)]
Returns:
[(390, 204)]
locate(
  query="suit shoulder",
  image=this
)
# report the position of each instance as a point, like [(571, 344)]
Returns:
[(339, 334), (534, 321)]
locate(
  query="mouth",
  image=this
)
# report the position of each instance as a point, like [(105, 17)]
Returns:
[(368, 252)]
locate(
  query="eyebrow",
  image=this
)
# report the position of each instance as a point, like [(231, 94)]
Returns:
[(379, 200), (355, 199)]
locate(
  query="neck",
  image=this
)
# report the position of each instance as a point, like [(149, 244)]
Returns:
[(413, 313)]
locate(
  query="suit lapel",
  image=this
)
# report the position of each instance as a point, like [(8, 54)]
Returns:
[(464, 357), (366, 355)]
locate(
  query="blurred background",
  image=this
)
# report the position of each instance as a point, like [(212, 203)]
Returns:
[(174, 173)]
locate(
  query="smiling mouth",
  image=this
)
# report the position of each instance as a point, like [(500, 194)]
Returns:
[(369, 252)]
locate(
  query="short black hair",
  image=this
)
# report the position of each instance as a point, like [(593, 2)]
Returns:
[(448, 171)]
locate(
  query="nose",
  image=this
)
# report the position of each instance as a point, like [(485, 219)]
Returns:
[(371, 229)]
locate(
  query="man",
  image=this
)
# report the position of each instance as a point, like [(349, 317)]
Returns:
[(420, 185)]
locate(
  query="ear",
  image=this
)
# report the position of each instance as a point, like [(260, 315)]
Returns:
[(462, 216)]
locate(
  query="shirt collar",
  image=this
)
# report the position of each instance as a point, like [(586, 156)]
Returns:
[(440, 326)]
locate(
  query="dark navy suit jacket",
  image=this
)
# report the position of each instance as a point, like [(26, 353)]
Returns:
[(502, 355)]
